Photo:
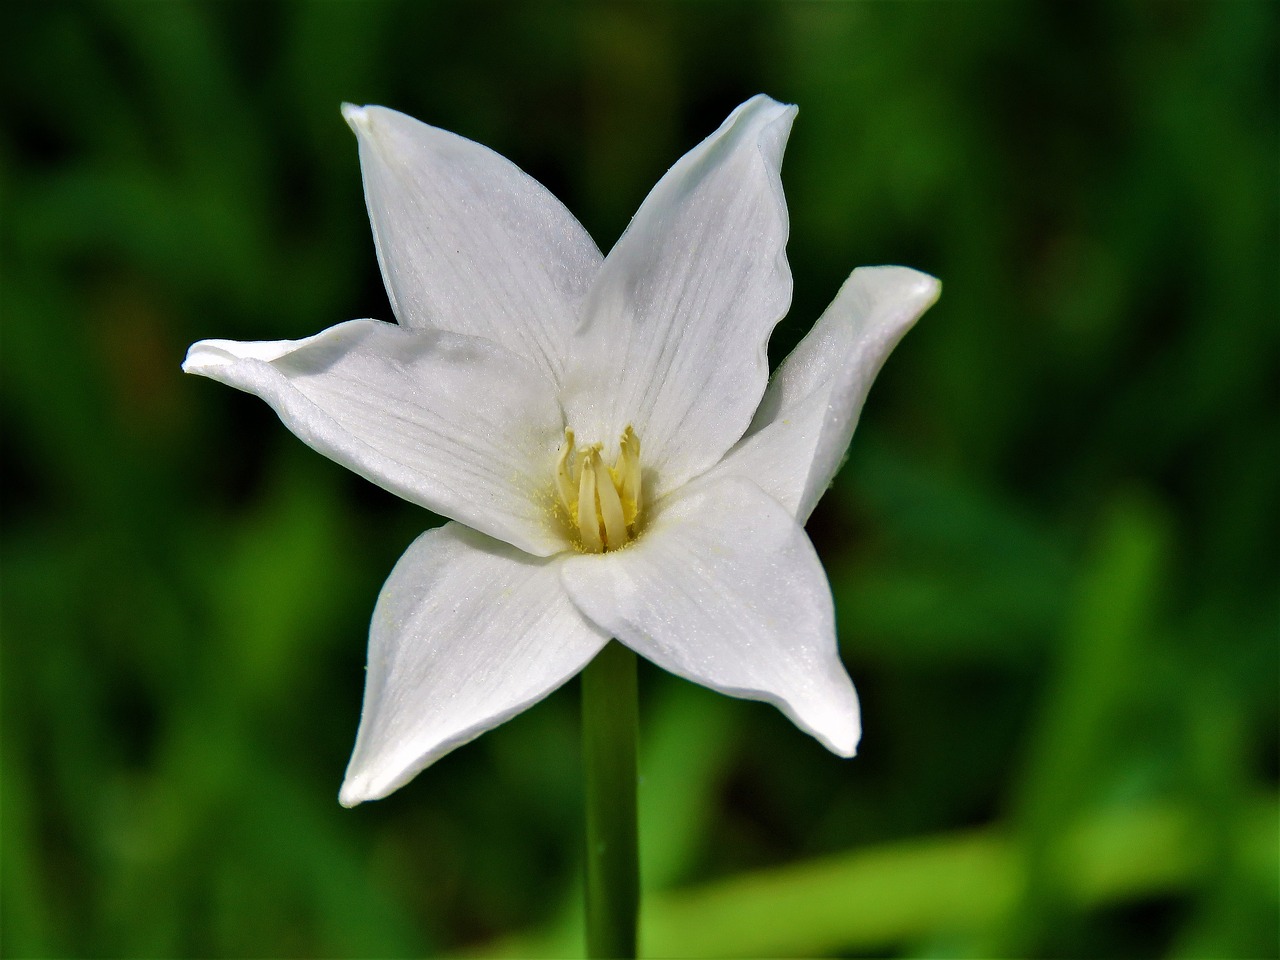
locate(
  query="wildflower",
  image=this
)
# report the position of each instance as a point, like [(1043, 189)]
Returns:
[(597, 429)]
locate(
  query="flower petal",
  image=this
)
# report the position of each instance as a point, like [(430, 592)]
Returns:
[(725, 589), (455, 424), (799, 436), (675, 329), (467, 633), (467, 241)]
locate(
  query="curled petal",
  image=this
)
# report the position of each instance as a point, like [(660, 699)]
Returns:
[(455, 424), (467, 241), (724, 588), (799, 436), (467, 633), (675, 329)]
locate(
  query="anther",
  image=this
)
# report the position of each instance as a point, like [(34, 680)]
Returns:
[(626, 474), (588, 509), (564, 482), (615, 524)]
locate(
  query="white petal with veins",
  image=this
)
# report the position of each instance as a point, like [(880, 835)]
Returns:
[(675, 329), (725, 589), (801, 432), (467, 633), (455, 424), (467, 241)]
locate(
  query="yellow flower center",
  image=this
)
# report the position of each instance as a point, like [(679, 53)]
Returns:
[(602, 503)]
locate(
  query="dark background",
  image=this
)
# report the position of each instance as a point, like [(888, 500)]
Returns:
[(1053, 548)]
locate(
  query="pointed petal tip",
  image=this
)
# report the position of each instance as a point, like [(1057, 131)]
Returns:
[(364, 784), (769, 113), (202, 356), (764, 101), (837, 721), (849, 749), (364, 781), (903, 281), (925, 287), (357, 117), (843, 742), (352, 793)]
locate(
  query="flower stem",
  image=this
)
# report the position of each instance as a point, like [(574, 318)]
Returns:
[(609, 724)]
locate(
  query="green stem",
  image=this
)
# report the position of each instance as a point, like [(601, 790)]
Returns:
[(609, 723)]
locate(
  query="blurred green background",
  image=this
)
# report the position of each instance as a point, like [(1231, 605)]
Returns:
[(1053, 548)]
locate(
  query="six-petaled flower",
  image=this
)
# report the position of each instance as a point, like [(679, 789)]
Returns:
[(600, 431)]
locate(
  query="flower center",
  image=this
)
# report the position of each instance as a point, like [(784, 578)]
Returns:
[(602, 503)]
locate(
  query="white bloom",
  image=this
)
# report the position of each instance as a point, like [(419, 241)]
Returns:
[(597, 428)]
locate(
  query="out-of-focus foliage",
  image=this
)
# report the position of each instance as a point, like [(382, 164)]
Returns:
[(1053, 548)]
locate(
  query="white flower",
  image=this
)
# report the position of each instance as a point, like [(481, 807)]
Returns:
[(597, 428)]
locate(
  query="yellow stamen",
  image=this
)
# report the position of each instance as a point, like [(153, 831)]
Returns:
[(602, 503), (588, 504), (564, 481), (615, 525), (626, 474)]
